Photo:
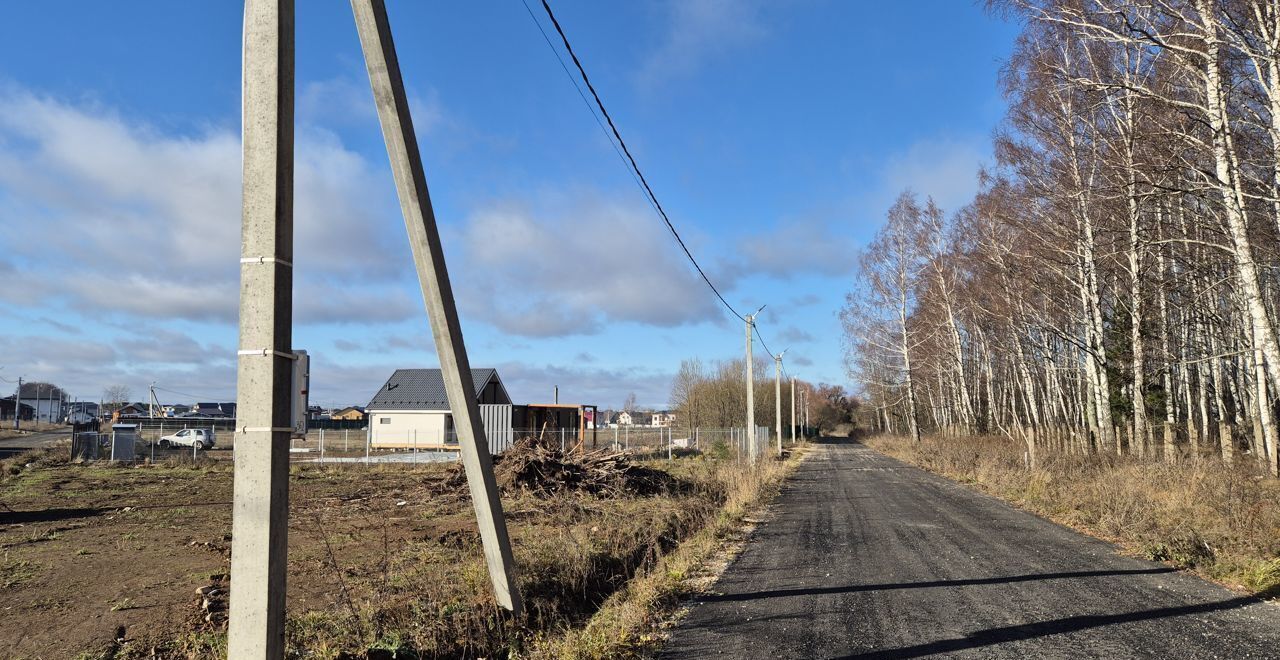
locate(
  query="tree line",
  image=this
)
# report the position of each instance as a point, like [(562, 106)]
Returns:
[(1112, 286), (714, 395)]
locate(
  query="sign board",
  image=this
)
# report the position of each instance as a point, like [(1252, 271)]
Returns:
[(299, 385)]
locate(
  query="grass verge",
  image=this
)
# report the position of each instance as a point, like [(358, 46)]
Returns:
[(384, 561), (629, 624), (1223, 522)]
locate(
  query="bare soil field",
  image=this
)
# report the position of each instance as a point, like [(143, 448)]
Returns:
[(124, 562)]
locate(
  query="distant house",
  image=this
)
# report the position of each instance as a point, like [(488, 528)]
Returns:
[(176, 409), (662, 419), (6, 409), (622, 419), (350, 413), (412, 410), (82, 409), (208, 410), (136, 409), (641, 418), (48, 402)]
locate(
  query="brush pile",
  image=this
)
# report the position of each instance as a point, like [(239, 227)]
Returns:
[(542, 468)]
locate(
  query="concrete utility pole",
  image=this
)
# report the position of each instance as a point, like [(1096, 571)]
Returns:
[(793, 410), (752, 450), (777, 396), (428, 256), (806, 410), (17, 407), (260, 511)]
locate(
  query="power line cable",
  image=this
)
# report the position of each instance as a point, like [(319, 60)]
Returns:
[(762, 344), (590, 108), (631, 159), (193, 396), (624, 154)]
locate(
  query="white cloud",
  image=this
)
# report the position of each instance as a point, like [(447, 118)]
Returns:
[(792, 248), (399, 344), (168, 347), (573, 267), (945, 169), (792, 334), (84, 366), (337, 100), (603, 387), (116, 216), (804, 300), (699, 30)]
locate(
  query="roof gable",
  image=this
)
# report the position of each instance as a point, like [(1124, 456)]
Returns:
[(423, 389)]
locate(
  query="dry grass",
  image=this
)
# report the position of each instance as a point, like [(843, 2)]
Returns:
[(1222, 521), (384, 561), (28, 427), (629, 624)]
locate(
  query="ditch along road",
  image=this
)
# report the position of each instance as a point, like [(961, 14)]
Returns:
[(866, 557)]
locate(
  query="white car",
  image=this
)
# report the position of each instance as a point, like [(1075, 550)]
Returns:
[(198, 438)]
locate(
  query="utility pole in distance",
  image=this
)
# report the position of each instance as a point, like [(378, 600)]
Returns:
[(806, 410), (793, 410), (752, 450), (777, 397), (17, 407), (437, 293)]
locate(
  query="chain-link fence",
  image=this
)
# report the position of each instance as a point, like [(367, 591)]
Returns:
[(184, 441)]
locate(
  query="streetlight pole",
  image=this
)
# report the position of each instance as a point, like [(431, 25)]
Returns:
[(752, 450), (777, 397), (806, 411), (17, 407), (793, 410)]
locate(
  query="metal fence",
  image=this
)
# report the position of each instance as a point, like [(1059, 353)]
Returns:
[(353, 445)]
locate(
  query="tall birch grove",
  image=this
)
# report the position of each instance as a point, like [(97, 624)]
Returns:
[(1112, 288)]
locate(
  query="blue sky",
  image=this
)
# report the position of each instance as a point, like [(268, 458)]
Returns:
[(776, 135)]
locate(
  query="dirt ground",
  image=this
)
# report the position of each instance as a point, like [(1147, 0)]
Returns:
[(105, 561)]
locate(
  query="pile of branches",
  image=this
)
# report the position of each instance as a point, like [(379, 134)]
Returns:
[(542, 468)]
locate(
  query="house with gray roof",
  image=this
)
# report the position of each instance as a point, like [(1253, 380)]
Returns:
[(412, 410)]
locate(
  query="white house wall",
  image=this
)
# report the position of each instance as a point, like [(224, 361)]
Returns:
[(429, 428), (408, 428)]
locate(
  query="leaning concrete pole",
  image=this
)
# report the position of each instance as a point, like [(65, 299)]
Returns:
[(752, 450), (437, 294), (777, 397), (260, 511)]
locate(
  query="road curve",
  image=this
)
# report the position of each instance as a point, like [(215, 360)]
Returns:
[(867, 557)]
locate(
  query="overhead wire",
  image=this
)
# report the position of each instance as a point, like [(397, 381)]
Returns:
[(614, 137), (635, 167), (192, 396), (590, 108)]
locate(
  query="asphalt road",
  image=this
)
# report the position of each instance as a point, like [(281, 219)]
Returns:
[(870, 558), (19, 444)]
